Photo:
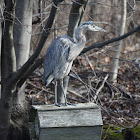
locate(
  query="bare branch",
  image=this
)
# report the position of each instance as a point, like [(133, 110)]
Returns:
[(37, 63), (100, 88), (77, 94), (83, 11), (100, 45)]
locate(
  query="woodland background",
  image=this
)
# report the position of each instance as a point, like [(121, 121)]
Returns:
[(27, 29)]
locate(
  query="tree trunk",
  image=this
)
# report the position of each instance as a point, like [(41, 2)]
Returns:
[(8, 64), (0, 55), (22, 37), (115, 61), (1, 17), (23, 31)]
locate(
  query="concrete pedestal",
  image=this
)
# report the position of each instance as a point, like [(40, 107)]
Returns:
[(73, 122)]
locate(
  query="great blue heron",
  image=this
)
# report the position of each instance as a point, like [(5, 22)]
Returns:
[(61, 54)]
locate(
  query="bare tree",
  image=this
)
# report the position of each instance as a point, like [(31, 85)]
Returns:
[(115, 61), (22, 36)]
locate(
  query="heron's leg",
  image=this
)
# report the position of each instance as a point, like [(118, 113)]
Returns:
[(56, 93), (61, 83)]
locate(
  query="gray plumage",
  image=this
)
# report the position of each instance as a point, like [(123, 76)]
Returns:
[(62, 52)]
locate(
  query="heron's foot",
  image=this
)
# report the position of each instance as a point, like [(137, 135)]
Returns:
[(69, 104), (58, 105)]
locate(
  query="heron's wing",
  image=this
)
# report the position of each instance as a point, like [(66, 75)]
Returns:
[(57, 54)]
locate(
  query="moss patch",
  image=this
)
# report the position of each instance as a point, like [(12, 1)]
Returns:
[(136, 131), (111, 132)]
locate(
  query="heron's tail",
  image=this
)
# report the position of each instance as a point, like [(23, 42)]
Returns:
[(45, 81), (48, 80)]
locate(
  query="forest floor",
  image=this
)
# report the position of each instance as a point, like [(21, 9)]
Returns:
[(119, 101)]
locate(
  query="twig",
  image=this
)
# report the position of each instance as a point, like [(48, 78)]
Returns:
[(100, 88), (90, 64), (42, 89), (83, 11), (89, 91), (76, 94), (75, 75)]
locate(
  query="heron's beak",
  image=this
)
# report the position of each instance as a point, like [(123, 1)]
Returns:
[(96, 28)]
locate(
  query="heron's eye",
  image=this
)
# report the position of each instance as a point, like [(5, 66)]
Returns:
[(85, 24)]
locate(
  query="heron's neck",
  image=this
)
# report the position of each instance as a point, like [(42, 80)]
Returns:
[(80, 37)]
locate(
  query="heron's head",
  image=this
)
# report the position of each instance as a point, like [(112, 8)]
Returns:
[(89, 25)]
